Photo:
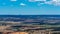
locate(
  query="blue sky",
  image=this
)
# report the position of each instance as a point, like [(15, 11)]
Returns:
[(29, 7)]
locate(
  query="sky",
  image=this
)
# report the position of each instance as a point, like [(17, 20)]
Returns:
[(29, 7)]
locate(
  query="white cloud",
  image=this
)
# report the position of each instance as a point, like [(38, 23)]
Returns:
[(56, 0), (22, 4), (13, 0), (49, 2), (53, 2)]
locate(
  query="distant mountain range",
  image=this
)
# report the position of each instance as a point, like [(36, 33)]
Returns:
[(28, 19)]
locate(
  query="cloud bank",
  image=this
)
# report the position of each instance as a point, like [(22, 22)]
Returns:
[(50, 2), (53, 2)]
